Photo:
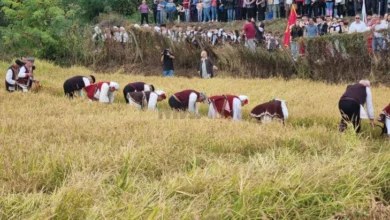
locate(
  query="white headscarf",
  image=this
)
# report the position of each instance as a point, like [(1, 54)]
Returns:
[(97, 30), (243, 98), (365, 82), (115, 85)]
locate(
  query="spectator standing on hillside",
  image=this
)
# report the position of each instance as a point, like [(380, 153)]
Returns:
[(295, 36), (311, 30), (167, 61), (205, 68), (163, 12), (171, 10), (270, 6), (329, 8), (322, 26), (186, 6), (155, 15), (206, 10), (214, 10), (335, 27), (116, 35), (251, 8), (144, 9), (340, 4), (124, 36), (377, 41), (250, 33), (276, 9), (230, 8), (261, 8), (98, 38), (199, 9), (181, 11), (357, 26)]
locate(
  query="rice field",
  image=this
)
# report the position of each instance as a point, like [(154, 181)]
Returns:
[(62, 159)]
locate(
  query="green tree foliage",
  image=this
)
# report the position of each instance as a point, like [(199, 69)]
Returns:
[(90, 9), (39, 28)]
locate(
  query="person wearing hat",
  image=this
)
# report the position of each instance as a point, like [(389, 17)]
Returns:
[(136, 87), (143, 99), (351, 105), (186, 99), (76, 84), (11, 76), (226, 106), (274, 109), (25, 75), (102, 91)]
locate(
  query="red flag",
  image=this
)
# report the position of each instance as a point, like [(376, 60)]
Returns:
[(291, 20)]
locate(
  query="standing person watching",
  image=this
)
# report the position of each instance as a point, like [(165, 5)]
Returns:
[(144, 9), (167, 60), (205, 67), (250, 32)]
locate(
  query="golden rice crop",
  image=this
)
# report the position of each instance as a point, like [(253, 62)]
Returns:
[(67, 159)]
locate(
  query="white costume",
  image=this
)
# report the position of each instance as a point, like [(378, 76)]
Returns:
[(105, 94)]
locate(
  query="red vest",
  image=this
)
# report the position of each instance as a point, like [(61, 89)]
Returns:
[(184, 96), (223, 103), (91, 89)]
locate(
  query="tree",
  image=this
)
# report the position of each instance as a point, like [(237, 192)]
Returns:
[(37, 27)]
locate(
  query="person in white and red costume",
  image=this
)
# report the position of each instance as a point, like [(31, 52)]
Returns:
[(227, 106), (102, 91)]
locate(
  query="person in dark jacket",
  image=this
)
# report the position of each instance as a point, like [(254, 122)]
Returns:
[(76, 84), (351, 105), (205, 68), (322, 26)]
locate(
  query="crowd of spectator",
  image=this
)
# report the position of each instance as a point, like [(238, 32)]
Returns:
[(254, 35), (378, 27), (165, 11)]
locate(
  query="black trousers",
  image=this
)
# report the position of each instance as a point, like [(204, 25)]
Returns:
[(260, 13), (350, 112), (69, 90), (126, 90), (155, 15), (251, 13), (144, 16), (174, 104)]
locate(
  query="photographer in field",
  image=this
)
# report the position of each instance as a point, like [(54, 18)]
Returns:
[(167, 61)]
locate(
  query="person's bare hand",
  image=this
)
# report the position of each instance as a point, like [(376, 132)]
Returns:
[(372, 122)]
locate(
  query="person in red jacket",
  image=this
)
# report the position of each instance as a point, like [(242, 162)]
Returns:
[(227, 106), (102, 91)]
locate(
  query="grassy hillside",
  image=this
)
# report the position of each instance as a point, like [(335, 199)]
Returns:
[(76, 160)]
